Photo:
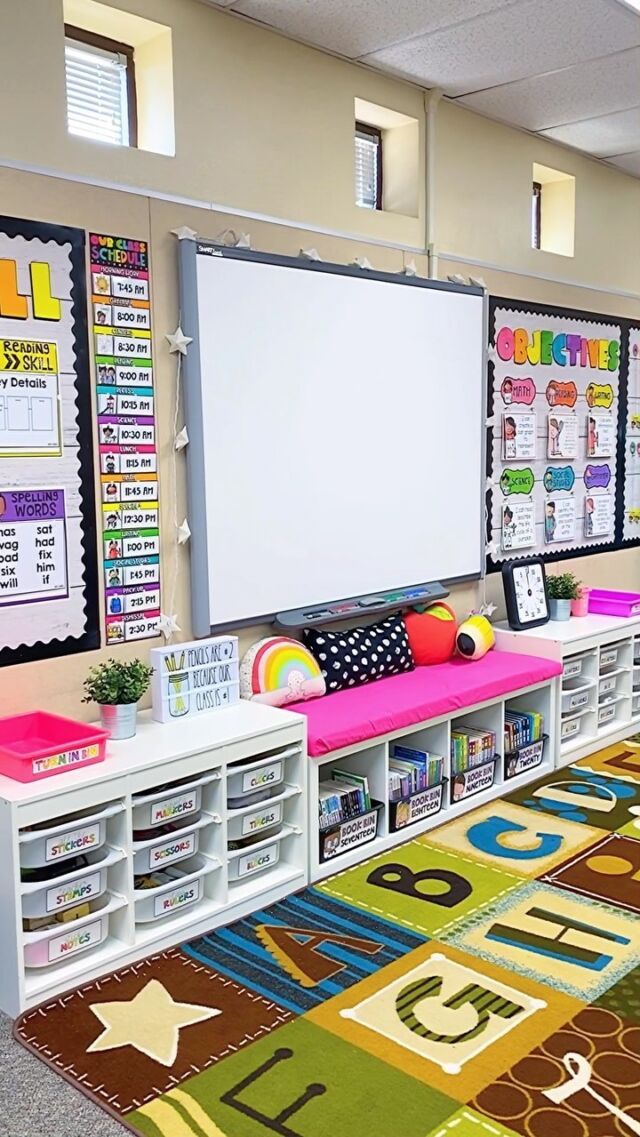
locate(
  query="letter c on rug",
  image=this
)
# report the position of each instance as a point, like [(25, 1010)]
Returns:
[(488, 836)]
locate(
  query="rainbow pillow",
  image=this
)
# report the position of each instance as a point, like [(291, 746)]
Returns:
[(278, 671)]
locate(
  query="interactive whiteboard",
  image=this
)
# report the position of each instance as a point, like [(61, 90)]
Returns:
[(336, 420)]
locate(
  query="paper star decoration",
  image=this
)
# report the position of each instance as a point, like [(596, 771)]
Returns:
[(487, 610), (167, 625), (184, 233), (184, 532), (456, 278), (178, 342), (181, 439), (243, 241), (150, 1022), (311, 254), (478, 281), (362, 262), (410, 269)]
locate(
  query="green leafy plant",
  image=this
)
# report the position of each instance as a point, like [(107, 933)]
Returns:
[(115, 682), (563, 586)]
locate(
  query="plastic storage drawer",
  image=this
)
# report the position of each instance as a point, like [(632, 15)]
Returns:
[(171, 848), (63, 941), (255, 859), (183, 891), (86, 884), (607, 684), (67, 837), (608, 656), (260, 820), (572, 667), (163, 806), (606, 713), (575, 694), (258, 777)]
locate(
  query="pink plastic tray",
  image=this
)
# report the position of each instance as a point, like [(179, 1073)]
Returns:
[(38, 745), (606, 602)]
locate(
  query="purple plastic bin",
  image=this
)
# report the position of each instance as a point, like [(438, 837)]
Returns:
[(607, 602)]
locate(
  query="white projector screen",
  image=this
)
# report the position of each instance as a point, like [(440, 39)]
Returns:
[(336, 425)]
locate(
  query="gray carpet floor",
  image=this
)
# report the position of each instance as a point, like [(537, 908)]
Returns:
[(34, 1102)]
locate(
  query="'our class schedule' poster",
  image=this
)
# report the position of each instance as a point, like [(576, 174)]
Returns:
[(554, 404), (126, 436)]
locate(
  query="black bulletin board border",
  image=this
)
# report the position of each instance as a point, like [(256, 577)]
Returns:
[(617, 543), (90, 638)]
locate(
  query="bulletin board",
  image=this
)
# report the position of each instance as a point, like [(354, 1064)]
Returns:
[(631, 441), (48, 563), (556, 393)]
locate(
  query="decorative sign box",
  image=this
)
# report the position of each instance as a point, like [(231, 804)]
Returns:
[(195, 677)]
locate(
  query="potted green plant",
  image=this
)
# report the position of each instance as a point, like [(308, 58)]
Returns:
[(117, 686), (562, 588)]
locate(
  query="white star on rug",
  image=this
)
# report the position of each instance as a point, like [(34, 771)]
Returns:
[(178, 342), (151, 1023)]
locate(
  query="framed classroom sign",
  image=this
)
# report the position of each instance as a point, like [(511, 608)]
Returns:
[(48, 565)]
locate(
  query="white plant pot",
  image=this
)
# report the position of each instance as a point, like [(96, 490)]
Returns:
[(559, 609), (119, 719)]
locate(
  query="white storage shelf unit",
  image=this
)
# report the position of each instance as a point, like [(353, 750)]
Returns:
[(600, 699), (158, 839), (371, 759)]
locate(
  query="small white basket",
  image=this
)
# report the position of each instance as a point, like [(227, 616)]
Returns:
[(165, 806), (608, 656), (63, 941), (606, 713), (608, 684), (252, 821), (572, 667), (256, 859), (258, 777)]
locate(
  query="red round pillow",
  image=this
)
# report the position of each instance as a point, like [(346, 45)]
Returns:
[(432, 634)]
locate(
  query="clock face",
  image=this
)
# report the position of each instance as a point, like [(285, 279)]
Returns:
[(531, 600)]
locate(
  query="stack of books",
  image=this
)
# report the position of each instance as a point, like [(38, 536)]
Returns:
[(470, 747), (342, 797), (412, 770), (521, 728)]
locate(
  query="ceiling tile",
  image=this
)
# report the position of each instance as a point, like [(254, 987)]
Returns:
[(357, 27), (628, 162), (600, 86), (609, 134), (530, 38)]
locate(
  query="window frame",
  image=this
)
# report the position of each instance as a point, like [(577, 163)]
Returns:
[(92, 39), (536, 231), (376, 133)]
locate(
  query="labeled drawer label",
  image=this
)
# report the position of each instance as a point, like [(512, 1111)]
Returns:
[(526, 758), (262, 819), (172, 807), (579, 699), (252, 862), (69, 844), (569, 728), (356, 831), (608, 684), (171, 851), (62, 946), (74, 892), (65, 759), (607, 657), (178, 898), (266, 776), (472, 781), (419, 806), (572, 668), (607, 713)]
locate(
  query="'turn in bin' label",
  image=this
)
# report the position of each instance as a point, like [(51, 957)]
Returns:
[(73, 843), (172, 807), (255, 822), (348, 834), (75, 940), (261, 859), (171, 851), (526, 758), (419, 806), (177, 898), (65, 759), (75, 892), (260, 779), (472, 781)]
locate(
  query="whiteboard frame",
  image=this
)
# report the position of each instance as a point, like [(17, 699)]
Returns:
[(189, 250)]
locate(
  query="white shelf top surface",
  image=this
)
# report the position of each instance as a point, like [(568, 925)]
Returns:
[(578, 628), (156, 743)]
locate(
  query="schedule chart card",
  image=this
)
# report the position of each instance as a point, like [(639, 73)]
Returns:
[(126, 436)]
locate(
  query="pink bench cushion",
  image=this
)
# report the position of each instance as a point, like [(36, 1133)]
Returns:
[(351, 716)]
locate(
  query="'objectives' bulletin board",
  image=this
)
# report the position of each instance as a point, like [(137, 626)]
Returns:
[(48, 569), (563, 451)]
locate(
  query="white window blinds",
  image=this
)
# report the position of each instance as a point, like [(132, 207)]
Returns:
[(96, 93), (367, 159)]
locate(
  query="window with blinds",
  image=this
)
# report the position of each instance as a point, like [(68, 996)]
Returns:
[(100, 92), (368, 166)]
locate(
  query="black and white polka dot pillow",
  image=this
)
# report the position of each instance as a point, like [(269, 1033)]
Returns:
[(359, 655)]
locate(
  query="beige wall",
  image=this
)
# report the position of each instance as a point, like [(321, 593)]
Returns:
[(265, 125)]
